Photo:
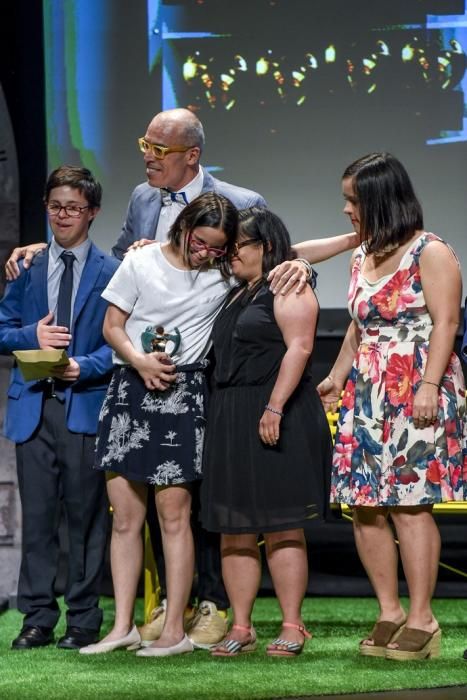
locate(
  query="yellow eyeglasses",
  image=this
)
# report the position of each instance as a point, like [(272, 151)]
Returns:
[(160, 152)]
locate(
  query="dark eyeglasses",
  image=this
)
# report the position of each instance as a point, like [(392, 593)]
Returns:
[(160, 152), (197, 245), (72, 210), (237, 246)]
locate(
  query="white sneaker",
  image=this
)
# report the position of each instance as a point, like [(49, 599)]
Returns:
[(152, 630), (209, 626)]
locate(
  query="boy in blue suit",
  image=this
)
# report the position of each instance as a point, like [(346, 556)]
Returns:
[(57, 303)]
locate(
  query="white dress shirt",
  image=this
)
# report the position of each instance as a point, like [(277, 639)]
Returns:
[(169, 212), (56, 267)]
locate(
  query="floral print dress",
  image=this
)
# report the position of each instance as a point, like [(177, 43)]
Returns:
[(380, 458)]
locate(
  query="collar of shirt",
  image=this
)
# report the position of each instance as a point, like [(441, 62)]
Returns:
[(80, 252), (167, 215), (193, 188), (56, 267)]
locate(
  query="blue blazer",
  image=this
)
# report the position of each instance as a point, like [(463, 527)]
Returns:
[(145, 206), (23, 305)]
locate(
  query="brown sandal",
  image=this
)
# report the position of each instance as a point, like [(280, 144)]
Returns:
[(382, 634), (416, 644)]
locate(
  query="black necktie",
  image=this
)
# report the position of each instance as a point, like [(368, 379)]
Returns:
[(65, 290)]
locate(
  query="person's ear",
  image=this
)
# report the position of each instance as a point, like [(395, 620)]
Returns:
[(93, 212)]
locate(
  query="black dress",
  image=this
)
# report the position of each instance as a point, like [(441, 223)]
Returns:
[(249, 487)]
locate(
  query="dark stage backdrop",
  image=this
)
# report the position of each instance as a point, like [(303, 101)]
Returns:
[(290, 92)]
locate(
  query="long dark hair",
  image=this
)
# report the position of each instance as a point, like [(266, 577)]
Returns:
[(268, 229), (389, 210), (209, 209)]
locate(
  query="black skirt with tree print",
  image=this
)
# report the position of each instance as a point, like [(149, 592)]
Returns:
[(155, 437)]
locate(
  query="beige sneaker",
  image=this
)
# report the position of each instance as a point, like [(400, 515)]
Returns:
[(209, 626), (152, 630)]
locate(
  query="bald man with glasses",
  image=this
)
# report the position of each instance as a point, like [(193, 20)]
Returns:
[(172, 148)]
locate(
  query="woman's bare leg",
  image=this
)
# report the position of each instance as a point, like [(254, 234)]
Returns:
[(288, 563), (173, 505), (128, 501), (378, 553), (241, 571), (420, 545)]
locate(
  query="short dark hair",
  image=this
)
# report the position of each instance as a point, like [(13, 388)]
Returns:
[(80, 179), (389, 210), (268, 229), (209, 209)]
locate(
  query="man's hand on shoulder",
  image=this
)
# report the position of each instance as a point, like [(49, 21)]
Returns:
[(289, 275), (27, 252), (139, 244)]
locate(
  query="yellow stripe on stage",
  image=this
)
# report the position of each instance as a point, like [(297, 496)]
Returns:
[(152, 589), (345, 514), (447, 508)]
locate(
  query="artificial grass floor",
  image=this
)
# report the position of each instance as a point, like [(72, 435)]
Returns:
[(329, 664)]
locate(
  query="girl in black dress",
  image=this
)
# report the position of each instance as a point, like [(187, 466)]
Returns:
[(268, 447)]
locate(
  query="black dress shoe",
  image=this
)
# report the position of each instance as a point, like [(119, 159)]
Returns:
[(31, 637), (77, 637)]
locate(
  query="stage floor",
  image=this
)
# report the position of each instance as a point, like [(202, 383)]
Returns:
[(456, 693)]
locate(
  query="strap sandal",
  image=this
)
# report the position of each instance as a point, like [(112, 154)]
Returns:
[(232, 647), (382, 634), (284, 647), (416, 644)]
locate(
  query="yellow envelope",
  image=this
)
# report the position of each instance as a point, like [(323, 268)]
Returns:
[(38, 364)]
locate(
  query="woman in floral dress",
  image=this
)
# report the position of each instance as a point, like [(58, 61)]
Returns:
[(400, 442)]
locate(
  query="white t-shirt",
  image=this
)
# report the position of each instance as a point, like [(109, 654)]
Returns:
[(155, 293)]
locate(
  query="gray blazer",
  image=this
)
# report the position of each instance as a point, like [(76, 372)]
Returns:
[(145, 205)]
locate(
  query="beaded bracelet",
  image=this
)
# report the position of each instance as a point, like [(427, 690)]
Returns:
[(425, 381), (274, 410), (308, 267)]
